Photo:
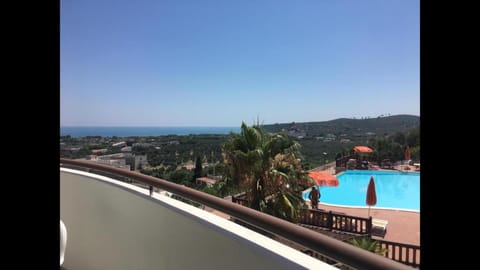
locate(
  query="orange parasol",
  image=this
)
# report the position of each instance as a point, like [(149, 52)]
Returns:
[(324, 179), (407, 153), (371, 194), (362, 149)]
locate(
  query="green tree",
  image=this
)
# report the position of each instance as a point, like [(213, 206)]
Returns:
[(198, 169), (387, 148), (268, 168), (368, 243), (413, 137), (181, 176), (399, 138), (415, 153)]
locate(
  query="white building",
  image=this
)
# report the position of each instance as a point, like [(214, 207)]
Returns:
[(119, 144)]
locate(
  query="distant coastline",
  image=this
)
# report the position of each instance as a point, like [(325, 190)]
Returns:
[(378, 125), (142, 131)]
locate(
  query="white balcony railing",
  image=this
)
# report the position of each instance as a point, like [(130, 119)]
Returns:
[(116, 225)]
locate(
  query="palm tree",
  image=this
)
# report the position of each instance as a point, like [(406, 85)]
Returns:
[(368, 243), (267, 167)]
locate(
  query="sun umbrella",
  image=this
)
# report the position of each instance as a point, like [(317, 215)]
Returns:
[(371, 194), (362, 149), (323, 179), (363, 152), (407, 153)]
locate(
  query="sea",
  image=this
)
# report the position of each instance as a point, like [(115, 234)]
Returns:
[(143, 131)]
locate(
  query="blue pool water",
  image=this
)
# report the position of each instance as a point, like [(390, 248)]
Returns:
[(394, 189)]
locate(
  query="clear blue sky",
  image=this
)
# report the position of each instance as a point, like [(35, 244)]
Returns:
[(218, 63)]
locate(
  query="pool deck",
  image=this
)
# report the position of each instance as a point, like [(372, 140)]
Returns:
[(403, 226)]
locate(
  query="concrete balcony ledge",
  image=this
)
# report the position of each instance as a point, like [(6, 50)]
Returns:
[(116, 225)]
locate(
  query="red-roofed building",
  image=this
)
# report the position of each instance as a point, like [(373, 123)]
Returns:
[(99, 151), (209, 181)]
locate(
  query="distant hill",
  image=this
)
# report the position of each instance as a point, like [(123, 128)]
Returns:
[(351, 127), (321, 141)]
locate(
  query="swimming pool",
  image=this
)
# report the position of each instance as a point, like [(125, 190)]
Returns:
[(394, 189)]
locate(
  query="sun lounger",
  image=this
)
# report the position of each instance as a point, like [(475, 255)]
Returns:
[(379, 227)]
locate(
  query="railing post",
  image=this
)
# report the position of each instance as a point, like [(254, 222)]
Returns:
[(330, 220), (369, 227), (316, 218)]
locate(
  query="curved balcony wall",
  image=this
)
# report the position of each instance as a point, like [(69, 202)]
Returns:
[(115, 225)]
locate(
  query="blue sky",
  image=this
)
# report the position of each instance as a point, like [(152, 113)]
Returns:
[(218, 63)]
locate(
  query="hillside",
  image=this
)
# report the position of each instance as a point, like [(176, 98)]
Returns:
[(350, 127), (320, 141)]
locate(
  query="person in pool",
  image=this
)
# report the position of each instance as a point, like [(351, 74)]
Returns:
[(314, 196)]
